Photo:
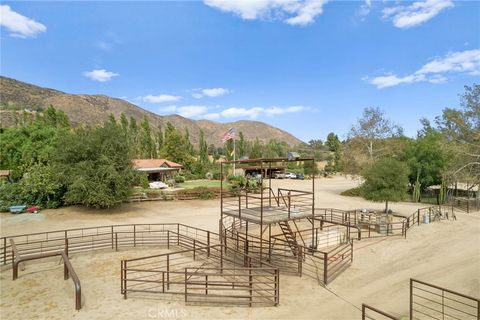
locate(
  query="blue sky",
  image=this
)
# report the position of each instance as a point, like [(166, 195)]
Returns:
[(308, 67)]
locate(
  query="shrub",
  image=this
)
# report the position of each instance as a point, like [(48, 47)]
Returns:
[(179, 179), (10, 194), (41, 186), (172, 183), (354, 192)]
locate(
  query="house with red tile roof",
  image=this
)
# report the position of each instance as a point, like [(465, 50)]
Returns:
[(157, 169)]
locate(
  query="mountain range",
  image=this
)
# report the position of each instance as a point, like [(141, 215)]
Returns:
[(86, 109)]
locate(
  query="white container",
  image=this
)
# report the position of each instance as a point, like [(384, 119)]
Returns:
[(426, 219)]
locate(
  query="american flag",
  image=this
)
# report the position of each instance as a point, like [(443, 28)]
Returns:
[(230, 134)]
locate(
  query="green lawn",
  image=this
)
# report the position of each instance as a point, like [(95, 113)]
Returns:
[(199, 183)]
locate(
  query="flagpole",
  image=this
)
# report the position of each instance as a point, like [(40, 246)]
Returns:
[(234, 156)]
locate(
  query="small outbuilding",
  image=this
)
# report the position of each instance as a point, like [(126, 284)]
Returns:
[(157, 169)]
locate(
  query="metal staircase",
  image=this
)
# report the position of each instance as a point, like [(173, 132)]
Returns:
[(289, 236)]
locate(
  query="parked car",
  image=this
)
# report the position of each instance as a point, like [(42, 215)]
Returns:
[(290, 175), (279, 175), (300, 176), (157, 185)]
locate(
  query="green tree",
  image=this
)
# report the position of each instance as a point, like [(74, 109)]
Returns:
[(203, 149), (176, 148), (372, 127), (385, 180), (146, 143), (333, 143), (159, 139), (427, 159), (41, 185), (241, 145), (95, 167), (461, 128)]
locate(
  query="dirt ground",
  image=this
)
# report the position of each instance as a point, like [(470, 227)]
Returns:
[(446, 253)]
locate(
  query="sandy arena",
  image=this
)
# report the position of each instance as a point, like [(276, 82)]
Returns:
[(445, 253)]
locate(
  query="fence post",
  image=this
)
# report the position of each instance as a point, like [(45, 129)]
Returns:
[(208, 243), (250, 280), (66, 246), (185, 284), (111, 232), (299, 252), (289, 204), (418, 217), (363, 311), (125, 280), (411, 299), (4, 250), (116, 241), (194, 249), (178, 234), (134, 235), (325, 268), (14, 267), (277, 287), (168, 272), (168, 239)]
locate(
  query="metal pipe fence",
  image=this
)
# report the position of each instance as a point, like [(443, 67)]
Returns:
[(428, 301), (113, 237), (204, 275), (372, 313), (68, 270)]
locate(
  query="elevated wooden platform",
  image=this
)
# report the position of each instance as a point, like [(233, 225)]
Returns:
[(271, 214)]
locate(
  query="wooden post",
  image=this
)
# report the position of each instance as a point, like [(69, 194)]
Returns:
[(116, 241), (111, 233), (14, 267), (134, 235), (66, 246), (168, 239)]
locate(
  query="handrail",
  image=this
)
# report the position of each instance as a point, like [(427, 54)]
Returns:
[(444, 289), (383, 313), (104, 230), (68, 270)]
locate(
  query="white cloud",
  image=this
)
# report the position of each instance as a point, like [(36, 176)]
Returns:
[(169, 109), (466, 62), (211, 116), (257, 111), (213, 92), (18, 25), (276, 110), (159, 98), (242, 112), (293, 12), (365, 9), (463, 61), (416, 13), (192, 111), (100, 75), (392, 80), (203, 112), (105, 46)]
